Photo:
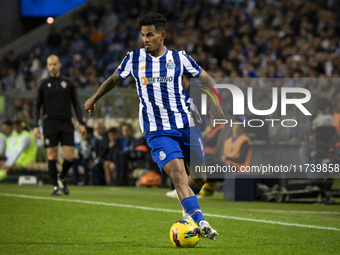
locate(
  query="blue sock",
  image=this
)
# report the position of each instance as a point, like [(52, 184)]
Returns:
[(195, 190), (191, 206)]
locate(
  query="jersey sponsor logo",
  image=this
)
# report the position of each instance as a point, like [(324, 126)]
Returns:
[(170, 64), (142, 68), (144, 81), (162, 155), (49, 85), (160, 79), (63, 84)]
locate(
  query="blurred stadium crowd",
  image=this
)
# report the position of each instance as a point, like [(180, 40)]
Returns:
[(266, 39)]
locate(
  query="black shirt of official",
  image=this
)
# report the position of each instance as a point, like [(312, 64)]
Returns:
[(56, 95)]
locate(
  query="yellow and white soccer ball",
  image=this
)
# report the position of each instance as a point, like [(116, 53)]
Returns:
[(184, 234)]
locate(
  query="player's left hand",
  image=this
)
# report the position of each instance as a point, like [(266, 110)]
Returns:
[(89, 106), (216, 112)]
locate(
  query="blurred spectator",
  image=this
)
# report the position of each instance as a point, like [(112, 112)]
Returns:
[(13, 80), (323, 117), (254, 41), (114, 148), (128, 146), (109, 20), (89, 146), (96, 36)]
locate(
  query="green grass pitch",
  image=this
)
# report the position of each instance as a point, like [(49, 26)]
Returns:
[(96, 220)]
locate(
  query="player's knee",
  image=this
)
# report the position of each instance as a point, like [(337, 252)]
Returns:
[(52, 155), (69, 158)]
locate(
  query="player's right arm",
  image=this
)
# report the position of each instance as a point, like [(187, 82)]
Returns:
[(123, 71), (106, 86)]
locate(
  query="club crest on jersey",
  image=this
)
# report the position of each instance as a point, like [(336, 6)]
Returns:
[(63, 84), (49, 85), (170, 64), (162, 155)]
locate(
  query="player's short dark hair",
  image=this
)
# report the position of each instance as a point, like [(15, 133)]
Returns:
[(155, 19), (8, 123), (89, 130), (112, 130)]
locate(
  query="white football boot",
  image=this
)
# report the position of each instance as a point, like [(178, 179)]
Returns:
[(206, 230)]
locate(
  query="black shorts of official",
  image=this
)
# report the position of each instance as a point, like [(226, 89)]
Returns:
[(56, 131)]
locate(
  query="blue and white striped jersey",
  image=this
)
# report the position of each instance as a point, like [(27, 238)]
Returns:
[(163, 105)]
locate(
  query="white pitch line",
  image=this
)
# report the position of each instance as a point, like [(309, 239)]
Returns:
[(166, 210)]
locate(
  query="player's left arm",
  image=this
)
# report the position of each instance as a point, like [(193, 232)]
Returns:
[(106, 86), (215, 111), (193, 70)]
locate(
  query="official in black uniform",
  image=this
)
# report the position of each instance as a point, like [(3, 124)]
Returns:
[(56, 95)]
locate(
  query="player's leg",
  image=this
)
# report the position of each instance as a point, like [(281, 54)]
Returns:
[(193, 151), (67, 142), (52, 155), (198, 179), (68, 161), (51, 142), (175, 169)]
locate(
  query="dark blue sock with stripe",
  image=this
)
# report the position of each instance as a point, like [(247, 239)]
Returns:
[(191, 206), (195, 190)]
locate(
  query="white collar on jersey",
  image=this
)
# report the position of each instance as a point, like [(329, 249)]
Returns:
[(166, 52)]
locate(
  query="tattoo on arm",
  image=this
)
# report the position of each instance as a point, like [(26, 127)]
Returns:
[(106, 86)]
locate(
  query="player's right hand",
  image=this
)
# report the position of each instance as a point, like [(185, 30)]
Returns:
[(89, 106), (36, 133)]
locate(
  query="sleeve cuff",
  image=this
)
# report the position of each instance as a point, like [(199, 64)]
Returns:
[(120, 73), (199, 73)]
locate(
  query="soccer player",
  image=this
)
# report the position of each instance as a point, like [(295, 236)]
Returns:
[(56, 95), (164, 112)]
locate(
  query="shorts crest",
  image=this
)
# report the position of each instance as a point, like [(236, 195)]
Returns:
[(162, 155)]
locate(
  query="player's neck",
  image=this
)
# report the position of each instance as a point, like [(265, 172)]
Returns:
[(159, 52)]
